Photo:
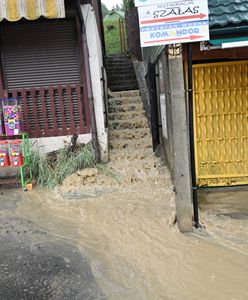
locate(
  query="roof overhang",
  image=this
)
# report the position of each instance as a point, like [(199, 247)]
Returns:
[(239, 29), (225, 43), (14, 10)]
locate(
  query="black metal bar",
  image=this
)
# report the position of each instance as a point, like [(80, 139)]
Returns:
[(222, 187), (104, 97), (151, 82), (191, 135)]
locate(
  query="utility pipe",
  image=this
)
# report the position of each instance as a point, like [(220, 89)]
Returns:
[(191, 135)]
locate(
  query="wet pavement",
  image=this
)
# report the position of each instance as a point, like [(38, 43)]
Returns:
[(118, 243), (225, 213), (36, 265)]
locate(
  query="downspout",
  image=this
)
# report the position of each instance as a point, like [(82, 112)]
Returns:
[(191, 135), (103, 79), (102, 31), (151, 83), (89, 84)]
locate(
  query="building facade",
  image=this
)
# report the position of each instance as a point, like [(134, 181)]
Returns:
[(46, 52)]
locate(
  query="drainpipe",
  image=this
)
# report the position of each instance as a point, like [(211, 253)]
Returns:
[(151, 83), (102, 30), (191, 135), (103, 79), (89, 85)]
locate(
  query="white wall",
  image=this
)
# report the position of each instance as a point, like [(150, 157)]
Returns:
[(49, 144), (96, 63), (46, 145)]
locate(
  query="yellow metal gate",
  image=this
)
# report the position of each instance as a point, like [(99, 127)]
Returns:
[(221, 123)]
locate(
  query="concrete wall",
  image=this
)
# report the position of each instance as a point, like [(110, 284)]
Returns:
[(165, 108), (96, 64), (181, 145), (141, 71), (174, 131), (46, 145)]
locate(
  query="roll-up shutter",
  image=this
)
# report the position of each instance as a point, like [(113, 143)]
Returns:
[(40, 54)]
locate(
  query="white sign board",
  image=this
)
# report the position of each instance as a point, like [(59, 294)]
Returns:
[(172, 23), (151, 2)]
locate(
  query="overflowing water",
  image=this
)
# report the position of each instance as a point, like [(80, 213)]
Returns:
[(125, 226), (135, 251)]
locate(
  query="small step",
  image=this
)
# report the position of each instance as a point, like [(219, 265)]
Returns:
[(124, 100), (140, 156), (143, 142), (117, 77), (10, 182), (122, 85), (119, 61), (119, 94), (123, 71), (128, 124), (126, 115), (126, 108), (118, 88), (127, 84), (129, 134), (117, 58)]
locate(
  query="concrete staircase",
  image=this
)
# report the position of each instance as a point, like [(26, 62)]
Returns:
[(128, 123), (120, 73), (130, 149)]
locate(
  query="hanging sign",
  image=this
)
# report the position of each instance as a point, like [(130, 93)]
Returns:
[(173, 22), (139, 3)]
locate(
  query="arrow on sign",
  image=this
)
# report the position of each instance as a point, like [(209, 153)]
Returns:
[(199, 16), (192, 37)]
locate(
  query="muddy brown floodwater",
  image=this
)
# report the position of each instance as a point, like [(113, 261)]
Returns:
[(127, 234), (134, 251)]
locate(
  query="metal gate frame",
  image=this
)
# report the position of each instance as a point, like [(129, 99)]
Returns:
[(226, 171)]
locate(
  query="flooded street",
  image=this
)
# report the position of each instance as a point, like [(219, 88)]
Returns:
[(122, 222), (134, 250)]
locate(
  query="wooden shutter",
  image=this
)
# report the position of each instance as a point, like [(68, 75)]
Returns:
[(40, 54)]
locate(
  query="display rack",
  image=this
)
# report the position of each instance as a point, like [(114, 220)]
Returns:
[(25, 167), (15, 148)]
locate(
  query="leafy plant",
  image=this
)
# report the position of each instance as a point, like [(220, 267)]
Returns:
[(112, 37), (50, 170), (127, 4)]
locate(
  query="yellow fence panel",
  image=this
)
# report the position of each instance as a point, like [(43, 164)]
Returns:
[(221, 123)]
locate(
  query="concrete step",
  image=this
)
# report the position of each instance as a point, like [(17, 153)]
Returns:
[(124, 100), (118, 57), (129, 134), (123, 77), (126, 108), (138, 156), (129, 124), (143, 142), (123, 85), (125, 68), (10, 182), (119, 62), (132, 93), (123, 71), (126, 115)]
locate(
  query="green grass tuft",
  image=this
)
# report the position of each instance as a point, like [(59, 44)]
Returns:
[(112, 37), (50, 170)]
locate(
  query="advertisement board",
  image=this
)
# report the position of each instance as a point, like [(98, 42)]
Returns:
[(173, 22)]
